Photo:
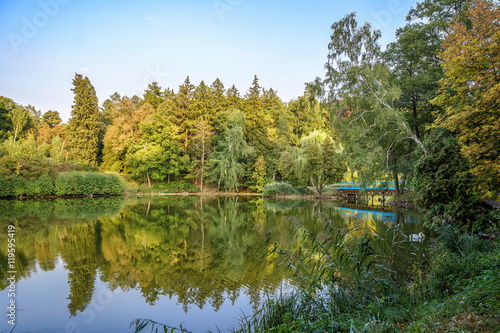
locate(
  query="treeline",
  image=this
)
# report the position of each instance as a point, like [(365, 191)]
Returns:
[(372, 116), (204, 134)]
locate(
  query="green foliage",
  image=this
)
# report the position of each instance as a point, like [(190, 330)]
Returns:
[(444, 185), (57, 151), (44, 185), (279, 189), (175, 187), (19, 117), (6, 105), (469, 92), (226, 161), (259, 175), (7, 186), (24, 147), (84, 121), (157, 155), (317, 163), (52, 118), (65, 184), (87, 183), (27, 167)]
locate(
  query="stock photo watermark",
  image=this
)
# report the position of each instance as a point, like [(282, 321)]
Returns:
[(223, 6), (153, 74), (32, 25), (384, 17), (11, 274), (102, 298)]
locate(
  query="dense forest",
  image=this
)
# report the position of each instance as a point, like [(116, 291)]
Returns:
[(371, 117)]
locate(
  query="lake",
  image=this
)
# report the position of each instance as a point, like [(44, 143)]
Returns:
[(96, 264)]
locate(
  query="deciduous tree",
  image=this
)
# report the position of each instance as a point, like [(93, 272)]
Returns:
[(470, 90)]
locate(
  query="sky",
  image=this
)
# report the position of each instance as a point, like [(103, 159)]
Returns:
[(122, 46)]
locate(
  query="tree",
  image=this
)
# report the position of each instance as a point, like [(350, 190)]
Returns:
[(153, 95), (234, 100), (470, 90), (84, 121), (201, 144), (19, 117), (125, 130), (225, 161), (219, 102), (6, 106), (415, 69), (51, 118), (444, 185), (257, 121), (158, 154), (259, 175), (375, 133), (57, 151), (323, 164), (183, 108)]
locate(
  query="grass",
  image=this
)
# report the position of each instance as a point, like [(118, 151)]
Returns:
[(347, 284), (345, 288)]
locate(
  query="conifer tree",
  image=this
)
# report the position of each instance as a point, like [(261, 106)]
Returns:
[(219, 102), (84, 121), (183, 108)]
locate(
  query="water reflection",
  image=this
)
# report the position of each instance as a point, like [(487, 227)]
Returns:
[(201, 252)]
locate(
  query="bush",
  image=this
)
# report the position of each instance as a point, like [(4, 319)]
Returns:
[(44, 185), (444, 185), (64, 184), (7, 186), (283, 189), (176, 187), (25, 166), (87, 183)]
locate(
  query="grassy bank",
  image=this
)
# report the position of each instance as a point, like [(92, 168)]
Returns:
[(456, 289)]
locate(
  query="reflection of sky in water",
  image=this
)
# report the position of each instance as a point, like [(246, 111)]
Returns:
[(40, 309), (119, 257)]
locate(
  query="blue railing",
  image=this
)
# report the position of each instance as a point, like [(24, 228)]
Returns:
[(367, 214), (369, 186)]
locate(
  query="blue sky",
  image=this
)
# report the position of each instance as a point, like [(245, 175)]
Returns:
[(123, 45)]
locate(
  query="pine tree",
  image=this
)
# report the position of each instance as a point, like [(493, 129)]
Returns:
[(183, 108), (84, 122)]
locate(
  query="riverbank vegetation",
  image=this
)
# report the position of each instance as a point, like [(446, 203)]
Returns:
[(424, 113), (366, 120)]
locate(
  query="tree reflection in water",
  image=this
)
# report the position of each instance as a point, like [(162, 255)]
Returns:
[(200, 250)]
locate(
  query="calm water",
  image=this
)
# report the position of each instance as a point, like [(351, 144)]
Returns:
[(94, 265)]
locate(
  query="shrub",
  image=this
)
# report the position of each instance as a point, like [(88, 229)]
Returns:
[(64, 184), (176, 187), (25, 166), (87, 183), (281, 189), (7, 186), (444, 185), (44, 185)]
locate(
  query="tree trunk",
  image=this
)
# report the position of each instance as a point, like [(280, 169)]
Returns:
[(414, 107), (149, 180), (396, 182), (202, 161), (15, 132), (403, 182)]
